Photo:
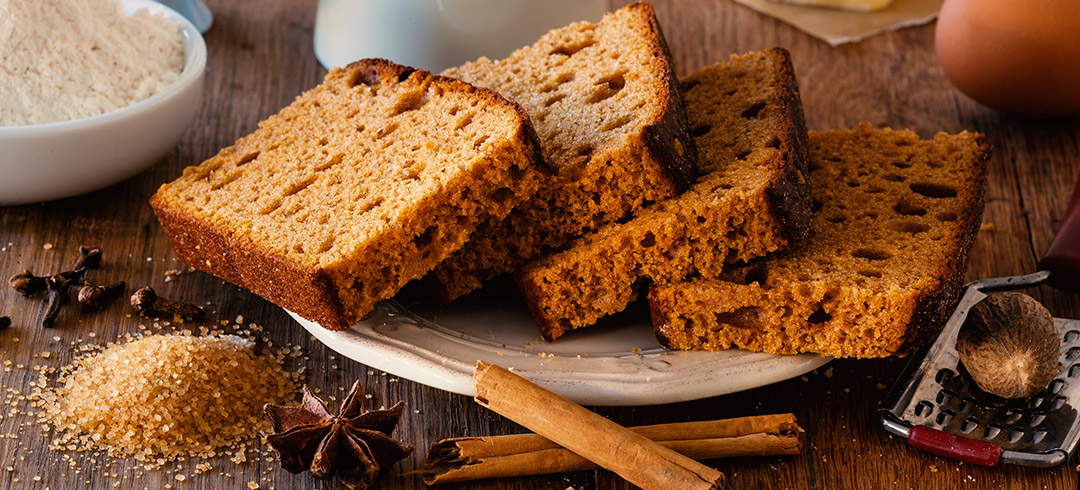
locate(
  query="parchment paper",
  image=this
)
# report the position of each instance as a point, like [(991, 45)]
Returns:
[(836, 26)]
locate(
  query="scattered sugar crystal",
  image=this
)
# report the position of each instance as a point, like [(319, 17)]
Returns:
[(165, 397)]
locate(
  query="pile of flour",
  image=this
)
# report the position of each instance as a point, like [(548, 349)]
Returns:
[(69, 59)]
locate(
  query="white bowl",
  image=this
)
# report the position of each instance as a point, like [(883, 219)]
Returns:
[(51, 161)]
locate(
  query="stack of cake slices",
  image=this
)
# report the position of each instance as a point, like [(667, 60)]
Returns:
[(583, 166)]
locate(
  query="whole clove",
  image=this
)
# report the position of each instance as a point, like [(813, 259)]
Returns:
[(26, 283), (57, 285), (5, 322), (98, 296), (57, 296), (89, 258), (148, 303)]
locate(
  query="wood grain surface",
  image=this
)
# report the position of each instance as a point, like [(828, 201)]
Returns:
[(260, 58)]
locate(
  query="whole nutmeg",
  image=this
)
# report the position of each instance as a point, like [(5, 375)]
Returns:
[(1009, 345)]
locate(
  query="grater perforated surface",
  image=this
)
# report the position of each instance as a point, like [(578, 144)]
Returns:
[(935, 391)]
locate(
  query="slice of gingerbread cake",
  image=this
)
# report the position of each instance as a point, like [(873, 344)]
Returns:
[(605, 103), (895, 220), (360, 185), (746, 119)]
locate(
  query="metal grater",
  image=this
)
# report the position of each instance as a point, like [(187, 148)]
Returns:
[(935, 392)]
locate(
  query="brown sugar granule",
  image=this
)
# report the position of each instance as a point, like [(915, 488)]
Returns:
[(895, 220), (163, 397)]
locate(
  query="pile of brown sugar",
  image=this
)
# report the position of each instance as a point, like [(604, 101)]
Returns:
[(164, 397)]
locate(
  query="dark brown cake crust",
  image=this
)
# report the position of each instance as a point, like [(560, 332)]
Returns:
[(669, 141), (306, 291), (790, 194)]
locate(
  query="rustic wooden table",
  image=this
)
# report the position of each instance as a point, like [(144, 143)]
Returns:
[(260, 57)]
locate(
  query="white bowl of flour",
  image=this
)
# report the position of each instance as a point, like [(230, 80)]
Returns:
[(84, 124)]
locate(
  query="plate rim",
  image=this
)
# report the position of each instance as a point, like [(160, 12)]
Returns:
[(362, 343)]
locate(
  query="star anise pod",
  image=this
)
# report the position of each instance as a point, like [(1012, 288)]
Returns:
[(353, 444)]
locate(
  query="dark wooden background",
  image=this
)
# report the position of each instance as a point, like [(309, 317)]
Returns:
[(260, 57)]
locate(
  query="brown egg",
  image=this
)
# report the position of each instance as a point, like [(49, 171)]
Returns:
[(1016, 56)]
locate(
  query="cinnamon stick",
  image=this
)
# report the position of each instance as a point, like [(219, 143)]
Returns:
[(628, 454), (474, 458)]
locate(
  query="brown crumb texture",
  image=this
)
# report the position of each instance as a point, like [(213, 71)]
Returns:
[(359, 186), (747, 121), (895, 220), (606, 106)]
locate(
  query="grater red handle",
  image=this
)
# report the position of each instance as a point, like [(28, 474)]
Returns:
[(1063, 257), (946, 445)]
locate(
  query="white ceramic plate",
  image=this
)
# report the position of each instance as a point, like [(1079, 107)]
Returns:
[(616, 362)]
